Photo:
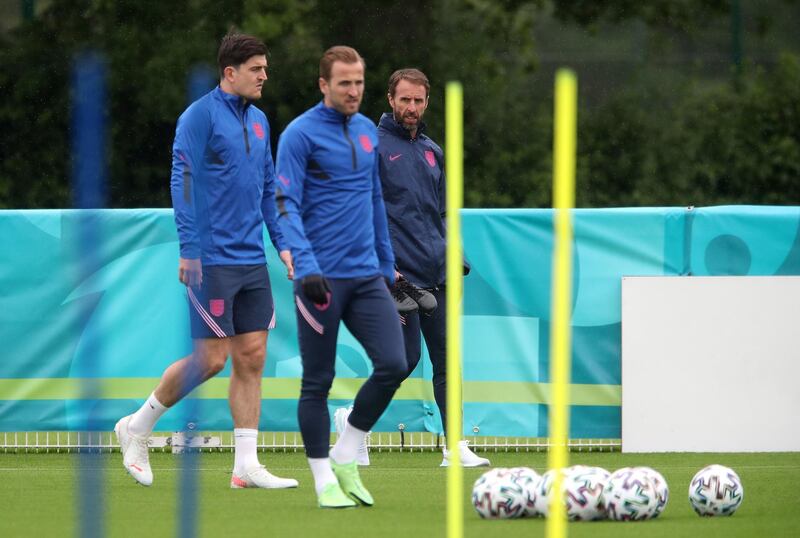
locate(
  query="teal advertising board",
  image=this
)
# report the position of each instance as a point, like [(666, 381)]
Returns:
[(119, 317)]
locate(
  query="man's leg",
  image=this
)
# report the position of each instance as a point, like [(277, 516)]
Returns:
[(178, 380), (412, 340), (371, 317), (211, 316), (244, 398), (248, 352), (253, 315), (184, 375), (244, 392), (317, 331), (434, 329)]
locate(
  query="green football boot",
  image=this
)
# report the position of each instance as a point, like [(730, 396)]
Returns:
[(332, 496), (347, 474)]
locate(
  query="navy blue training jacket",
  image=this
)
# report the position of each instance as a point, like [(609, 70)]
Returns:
[(414, 192), (223, 181), (328, 196)]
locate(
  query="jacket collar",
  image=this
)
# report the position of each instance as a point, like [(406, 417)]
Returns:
[(388, 122), (331, 114), (236, 101)]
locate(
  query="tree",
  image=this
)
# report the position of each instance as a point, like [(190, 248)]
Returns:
[(149, 48), (672, 135)]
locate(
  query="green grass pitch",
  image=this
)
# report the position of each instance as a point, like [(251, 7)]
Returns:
[(37, 498)]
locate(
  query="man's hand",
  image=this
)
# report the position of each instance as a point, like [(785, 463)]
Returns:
[(190, 271), (286, 258), (317, 289)]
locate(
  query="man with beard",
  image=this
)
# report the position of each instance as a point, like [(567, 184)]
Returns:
[(412, 174), (332, 216)]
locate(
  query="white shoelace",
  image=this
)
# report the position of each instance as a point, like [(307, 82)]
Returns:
[(140, 452)]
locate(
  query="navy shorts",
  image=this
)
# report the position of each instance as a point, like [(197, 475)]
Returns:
[(233, 299)]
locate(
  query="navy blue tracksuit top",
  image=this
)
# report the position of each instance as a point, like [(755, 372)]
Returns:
[(413, 182)]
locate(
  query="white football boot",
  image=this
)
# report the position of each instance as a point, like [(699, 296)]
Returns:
[(135, 456), (259, 477), (468, 457)]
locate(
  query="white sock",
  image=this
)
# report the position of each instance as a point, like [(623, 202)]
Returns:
[(144, 420), (244, 452), (323, 474), (346, 448)]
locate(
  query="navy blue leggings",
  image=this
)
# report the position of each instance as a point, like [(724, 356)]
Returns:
[(434, 329), (369, 313)]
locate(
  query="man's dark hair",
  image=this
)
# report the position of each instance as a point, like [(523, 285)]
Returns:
[(339, 53), (414, 76), (236, 49)]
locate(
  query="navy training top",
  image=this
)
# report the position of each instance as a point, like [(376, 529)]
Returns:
[(414, 191)]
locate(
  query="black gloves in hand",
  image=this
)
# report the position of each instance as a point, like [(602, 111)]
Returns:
[(316, 288)]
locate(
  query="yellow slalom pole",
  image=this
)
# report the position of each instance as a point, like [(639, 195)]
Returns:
[(564, 144), (454, 156)]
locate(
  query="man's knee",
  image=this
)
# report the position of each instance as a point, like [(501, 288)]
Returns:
[(439, 380), (393, 369), (215, 366), (210, 358), (249, 354), (412, 359), (249, 363), (317, 386), (439, 369)]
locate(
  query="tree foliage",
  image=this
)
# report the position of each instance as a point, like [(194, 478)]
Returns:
[(668, 138), (678, 143), (679, 14)]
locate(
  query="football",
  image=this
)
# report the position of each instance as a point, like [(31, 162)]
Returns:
[(498, 495), (662, 490), (529, 480), (542, 498), (584, 493), (716, 490), (630, 495)]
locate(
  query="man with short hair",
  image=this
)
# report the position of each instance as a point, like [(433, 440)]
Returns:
[(413, 183), (332, 216), (223, 193)]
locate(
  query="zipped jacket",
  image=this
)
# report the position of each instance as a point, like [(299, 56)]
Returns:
[(328, 195), (223, 181), (413, 181)]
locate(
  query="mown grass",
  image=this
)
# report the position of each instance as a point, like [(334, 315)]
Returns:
[(39, 493)]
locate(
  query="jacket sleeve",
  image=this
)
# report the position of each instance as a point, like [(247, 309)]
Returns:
[(383, 246), (293, 152), (443, 208), (442, 187), (268, 209), (191, 137)]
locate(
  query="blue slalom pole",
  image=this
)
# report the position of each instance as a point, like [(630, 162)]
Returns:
[(89, 131), (199, 82), (88, 125)]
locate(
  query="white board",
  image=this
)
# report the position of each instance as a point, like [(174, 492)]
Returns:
[(710, 364)]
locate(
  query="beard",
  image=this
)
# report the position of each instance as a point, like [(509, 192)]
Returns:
[(403, 124)]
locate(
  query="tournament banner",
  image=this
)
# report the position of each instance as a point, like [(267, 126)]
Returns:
[(129, 309)]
